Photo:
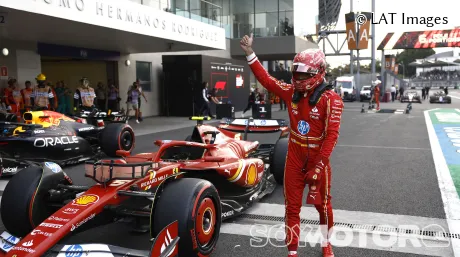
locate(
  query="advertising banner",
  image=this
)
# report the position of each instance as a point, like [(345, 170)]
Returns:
[(230, 78), (357, 27), (421, 39)]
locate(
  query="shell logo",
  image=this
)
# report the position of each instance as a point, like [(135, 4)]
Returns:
[(85, 200), (252, 175)]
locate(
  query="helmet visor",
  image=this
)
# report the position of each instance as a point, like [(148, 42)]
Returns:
[(301, 71)]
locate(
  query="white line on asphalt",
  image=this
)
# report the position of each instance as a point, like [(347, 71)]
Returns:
[(456, 97), (386, 147), (449, 193)]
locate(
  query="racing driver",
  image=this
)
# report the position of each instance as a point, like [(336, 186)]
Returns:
[(42, 96), (315, 113)]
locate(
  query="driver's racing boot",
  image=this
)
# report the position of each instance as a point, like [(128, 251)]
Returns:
[(327, 251)]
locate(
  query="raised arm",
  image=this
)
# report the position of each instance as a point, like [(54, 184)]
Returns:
[(273, 85)]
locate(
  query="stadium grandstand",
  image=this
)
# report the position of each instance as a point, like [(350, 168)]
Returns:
[(438, 70)]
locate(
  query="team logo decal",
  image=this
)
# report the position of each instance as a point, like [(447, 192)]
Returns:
[(293, 105), (252, 175), (54, 167), (85, 200), (303, 127)]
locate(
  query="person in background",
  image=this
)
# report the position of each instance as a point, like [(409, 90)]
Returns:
[(401, 91), (251, 100), (393, 92), (427, 91), (133, 99), (205, 108), (84, 96), (446, 90), (423, 93), (62, 94), (377, 94), (397, 91), (42, 96), (139, 87), (101, 94), (113, 96), (56, 100), (26, 92), (67, 97), (13, 98)]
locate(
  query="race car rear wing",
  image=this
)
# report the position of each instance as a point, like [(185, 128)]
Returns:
[(254, 125), (164, 245)]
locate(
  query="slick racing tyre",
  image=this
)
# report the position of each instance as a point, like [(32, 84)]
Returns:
[(16, 202), (117, 136), (195, 204), (278, 159)]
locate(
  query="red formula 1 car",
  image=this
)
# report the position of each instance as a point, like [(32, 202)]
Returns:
[(181, 194)]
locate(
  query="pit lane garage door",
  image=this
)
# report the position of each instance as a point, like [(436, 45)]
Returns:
[(71, 71)]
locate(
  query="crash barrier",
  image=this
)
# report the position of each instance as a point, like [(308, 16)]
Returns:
[(225, 111), (262, 111)]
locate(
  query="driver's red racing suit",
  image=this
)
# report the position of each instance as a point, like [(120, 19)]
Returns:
[(313, 136)]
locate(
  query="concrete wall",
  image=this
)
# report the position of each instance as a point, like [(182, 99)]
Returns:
[(127, 74), (22, 62)]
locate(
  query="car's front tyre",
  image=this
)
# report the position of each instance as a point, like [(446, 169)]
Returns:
[(195, 204)]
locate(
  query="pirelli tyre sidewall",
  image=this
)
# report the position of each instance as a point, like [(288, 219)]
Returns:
[(117, 136), (190, 201), (23, 204), (278, 159)]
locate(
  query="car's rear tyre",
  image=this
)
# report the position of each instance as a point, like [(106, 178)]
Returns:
[(195, 204), (278, 160), (16, 201), (117, 136)]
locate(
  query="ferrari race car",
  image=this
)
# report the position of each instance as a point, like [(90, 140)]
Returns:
[(192, 184), (54, 137), (411, 97), (440, 97)]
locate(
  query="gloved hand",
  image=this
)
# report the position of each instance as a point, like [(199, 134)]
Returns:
[(9, 108), (315, 173)]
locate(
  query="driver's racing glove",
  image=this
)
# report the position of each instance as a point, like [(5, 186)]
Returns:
[(314, 178)]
